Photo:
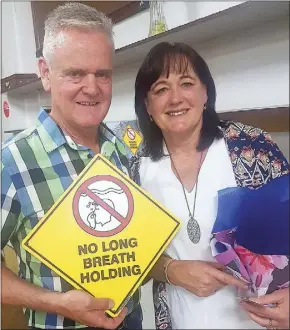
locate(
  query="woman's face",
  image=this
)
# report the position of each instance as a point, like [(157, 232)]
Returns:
[(176, 102)]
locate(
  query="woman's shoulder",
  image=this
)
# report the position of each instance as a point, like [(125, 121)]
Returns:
[(233, 129), (237, 134), (252, 145)]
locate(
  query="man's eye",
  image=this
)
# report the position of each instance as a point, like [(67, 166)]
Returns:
[(75, 74), (103, 76)]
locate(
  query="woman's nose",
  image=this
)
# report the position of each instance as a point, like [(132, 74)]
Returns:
[(175, 95)]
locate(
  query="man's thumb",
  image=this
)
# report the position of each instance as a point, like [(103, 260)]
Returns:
[(101, 303)]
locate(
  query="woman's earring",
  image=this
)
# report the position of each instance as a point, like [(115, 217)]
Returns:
[(204, 107), (151, 118)]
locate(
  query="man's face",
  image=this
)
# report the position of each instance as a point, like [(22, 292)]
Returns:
[(79, 79)]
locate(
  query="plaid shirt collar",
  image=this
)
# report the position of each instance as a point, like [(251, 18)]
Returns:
[(53, 137)]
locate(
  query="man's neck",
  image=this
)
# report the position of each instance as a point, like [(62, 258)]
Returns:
[(87, 137)]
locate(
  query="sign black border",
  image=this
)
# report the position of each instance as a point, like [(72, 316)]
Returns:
[(114, 311)]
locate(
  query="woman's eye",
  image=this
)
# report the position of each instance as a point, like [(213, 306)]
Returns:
[(187, 84), (161, 90)]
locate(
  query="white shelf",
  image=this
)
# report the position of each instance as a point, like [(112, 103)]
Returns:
[(236, 18), (242, 16)]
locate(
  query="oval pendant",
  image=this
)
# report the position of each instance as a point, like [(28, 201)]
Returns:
[(193, 230)]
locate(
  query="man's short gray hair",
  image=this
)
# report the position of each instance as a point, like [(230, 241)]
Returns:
[(73, 15)]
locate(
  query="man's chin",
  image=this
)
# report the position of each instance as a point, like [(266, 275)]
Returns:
[(90, 121), (90, 125)]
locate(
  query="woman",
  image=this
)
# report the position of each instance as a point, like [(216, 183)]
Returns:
[(188, 156)]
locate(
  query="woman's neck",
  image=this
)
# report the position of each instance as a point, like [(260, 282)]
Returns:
[(182, 143), (185, 159)]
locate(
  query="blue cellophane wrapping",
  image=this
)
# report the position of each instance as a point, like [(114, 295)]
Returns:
[(251, 234)]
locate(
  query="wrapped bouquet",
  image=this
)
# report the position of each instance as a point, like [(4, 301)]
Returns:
[(251, 235)]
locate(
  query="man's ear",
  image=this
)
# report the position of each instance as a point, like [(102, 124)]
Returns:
[(44, 73)]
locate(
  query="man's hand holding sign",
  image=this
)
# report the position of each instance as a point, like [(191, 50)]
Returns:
[(86, 309)]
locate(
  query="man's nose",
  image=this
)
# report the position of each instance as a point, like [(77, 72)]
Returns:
[(91, 86)]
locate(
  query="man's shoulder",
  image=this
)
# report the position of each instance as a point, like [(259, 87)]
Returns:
[(25, 134), (17, 144)]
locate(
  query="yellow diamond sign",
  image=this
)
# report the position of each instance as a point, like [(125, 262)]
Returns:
[(132, 138), (104, 234)]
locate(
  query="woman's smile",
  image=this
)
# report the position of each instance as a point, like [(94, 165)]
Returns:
[(175, 113)]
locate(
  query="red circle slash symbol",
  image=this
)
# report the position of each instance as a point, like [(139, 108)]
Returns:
[(131, 134), (102, 208)]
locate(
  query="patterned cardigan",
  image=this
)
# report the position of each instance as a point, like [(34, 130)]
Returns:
[(256, 160)]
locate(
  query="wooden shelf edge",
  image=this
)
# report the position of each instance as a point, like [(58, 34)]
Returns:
[(17, 81), (132, 8), (269, 119)]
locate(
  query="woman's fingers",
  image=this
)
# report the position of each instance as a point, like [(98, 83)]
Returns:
[(259, 310), (272, 298), (217, 265), (228, 279), (266, 323)]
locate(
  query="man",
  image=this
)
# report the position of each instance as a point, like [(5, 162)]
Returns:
[(39, 164)]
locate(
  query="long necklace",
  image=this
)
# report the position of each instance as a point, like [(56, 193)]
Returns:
[(193, 228)]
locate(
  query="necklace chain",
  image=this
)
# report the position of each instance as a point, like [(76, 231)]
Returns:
[(191, 215), (193, 228)]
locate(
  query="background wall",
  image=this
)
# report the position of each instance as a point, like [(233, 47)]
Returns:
[(282, 140), (18, 44), (250, 69)]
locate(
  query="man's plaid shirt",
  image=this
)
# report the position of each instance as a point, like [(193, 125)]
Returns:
[(38, 165)]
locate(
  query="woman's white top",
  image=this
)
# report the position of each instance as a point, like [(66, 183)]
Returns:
[(221, 310)]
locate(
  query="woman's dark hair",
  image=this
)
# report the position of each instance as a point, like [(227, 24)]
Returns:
[(163, 59)]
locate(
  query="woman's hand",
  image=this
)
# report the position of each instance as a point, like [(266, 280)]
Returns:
[(276, 317), (202, 278)]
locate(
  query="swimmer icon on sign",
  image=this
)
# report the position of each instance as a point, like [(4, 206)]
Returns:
[(103, 206)]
